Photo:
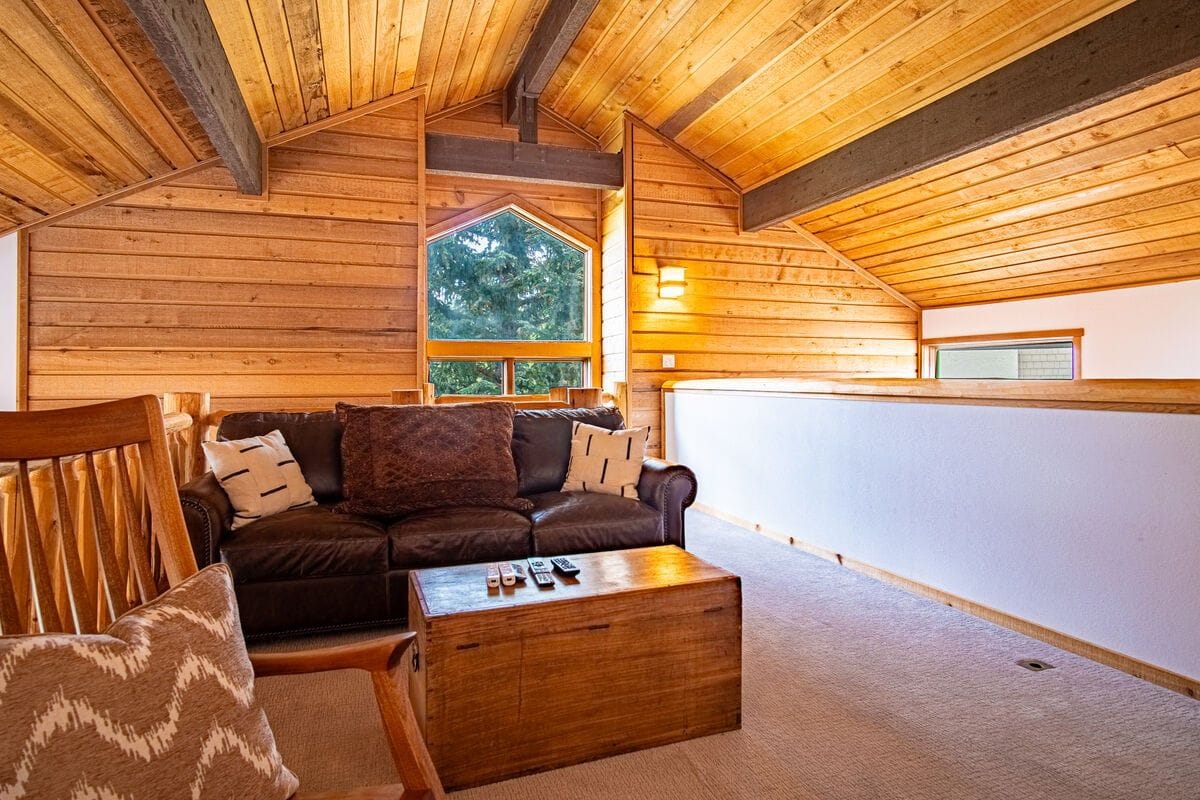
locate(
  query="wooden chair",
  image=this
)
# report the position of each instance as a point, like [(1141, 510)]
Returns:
[(90, 525)]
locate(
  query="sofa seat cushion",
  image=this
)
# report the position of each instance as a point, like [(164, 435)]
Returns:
[(465, 535), (314, 542), (585, 522)]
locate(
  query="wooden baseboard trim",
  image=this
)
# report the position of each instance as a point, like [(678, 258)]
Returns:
[(1101, 655)]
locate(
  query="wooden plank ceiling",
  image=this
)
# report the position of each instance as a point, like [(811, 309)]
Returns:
[(85, 108), (299, 61), (1105, 198), (753, 87)]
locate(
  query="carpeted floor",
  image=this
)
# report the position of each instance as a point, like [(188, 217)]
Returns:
[(852, 689)]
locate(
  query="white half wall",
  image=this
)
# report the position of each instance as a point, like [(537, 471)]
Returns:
[(8, 322), (1086, 522), (1143, 332)]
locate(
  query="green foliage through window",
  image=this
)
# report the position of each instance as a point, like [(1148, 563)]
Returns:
[(504, 278), (539, 377), (466, 377)]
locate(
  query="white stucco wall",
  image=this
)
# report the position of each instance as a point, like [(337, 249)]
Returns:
[(8, 322), (1144, 332), (1085, 522)]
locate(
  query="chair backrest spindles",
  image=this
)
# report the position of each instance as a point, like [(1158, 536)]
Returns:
[(80, 605), (87, 526), (112, 576), (135, 536), (41, 587)]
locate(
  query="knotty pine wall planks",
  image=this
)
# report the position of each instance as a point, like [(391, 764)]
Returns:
[(294, 300), (310, 294), (766, 303)]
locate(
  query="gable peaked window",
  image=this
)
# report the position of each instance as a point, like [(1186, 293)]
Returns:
[(509, 305)]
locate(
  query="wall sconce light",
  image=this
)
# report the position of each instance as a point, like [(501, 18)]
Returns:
[(671, 282)]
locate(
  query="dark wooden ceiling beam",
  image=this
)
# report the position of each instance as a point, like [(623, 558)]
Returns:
[(1136, 46), (186, 40), (553, 36), (448, 154)]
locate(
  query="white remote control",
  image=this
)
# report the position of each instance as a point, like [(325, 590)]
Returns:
[(493, 576), (507, 576)]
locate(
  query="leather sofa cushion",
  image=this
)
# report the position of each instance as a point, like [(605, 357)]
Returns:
[(315, 440), (306, 543), (541, 444), (446, 536), (584, 522)]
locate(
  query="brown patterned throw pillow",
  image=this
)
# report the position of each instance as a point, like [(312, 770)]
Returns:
[(160, 705), (398, 459)]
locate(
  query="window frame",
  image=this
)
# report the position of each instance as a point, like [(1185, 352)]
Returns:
[(929, 347), (509, 352)]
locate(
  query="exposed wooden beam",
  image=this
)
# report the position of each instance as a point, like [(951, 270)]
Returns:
[(560, 23), (1136, 46), (527, 119), (186, 40), (466, 155)]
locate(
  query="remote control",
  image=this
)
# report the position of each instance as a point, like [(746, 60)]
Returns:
[(507, 576), (565, 566), (519, 572), (539, 565), (543, 579), (493, 576)]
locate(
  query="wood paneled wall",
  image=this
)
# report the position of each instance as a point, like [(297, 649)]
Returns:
[(767, 303), (292, 300), (310, 295)]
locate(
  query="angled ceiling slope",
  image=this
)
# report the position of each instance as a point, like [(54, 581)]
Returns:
[(86, 108)]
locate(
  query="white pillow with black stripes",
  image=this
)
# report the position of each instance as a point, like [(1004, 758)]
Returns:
[(259, 475), (604, 461)]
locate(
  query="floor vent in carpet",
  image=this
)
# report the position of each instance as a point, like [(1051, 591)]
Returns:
[(1034, 665)]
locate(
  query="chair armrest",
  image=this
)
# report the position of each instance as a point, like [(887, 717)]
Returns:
[(668, 489), (208, 516), (375, 655)]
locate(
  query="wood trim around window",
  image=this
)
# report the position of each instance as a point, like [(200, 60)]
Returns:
[(477, 350), (589, 352), (928, 347)]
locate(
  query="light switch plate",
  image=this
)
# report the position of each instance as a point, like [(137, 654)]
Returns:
[(668, 361)]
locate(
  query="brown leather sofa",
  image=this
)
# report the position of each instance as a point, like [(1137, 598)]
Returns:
[(312, 569)]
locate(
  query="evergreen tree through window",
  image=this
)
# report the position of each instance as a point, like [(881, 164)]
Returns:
[(506, 279)]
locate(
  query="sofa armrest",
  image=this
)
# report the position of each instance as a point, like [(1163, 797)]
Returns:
[(668, 489), (208, 515)]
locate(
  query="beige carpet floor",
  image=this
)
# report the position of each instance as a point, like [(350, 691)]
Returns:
[(852, 689)]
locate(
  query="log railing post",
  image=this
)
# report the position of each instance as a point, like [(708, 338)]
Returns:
[(584, 397), (198, 406), (407, 397)]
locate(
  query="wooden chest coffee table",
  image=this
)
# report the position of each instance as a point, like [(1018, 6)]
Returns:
[(642, 649)]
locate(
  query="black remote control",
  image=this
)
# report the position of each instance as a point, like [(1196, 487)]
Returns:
[(542, 579), (564, 565), (539, 565)]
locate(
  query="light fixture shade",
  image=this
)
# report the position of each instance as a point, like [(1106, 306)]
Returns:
[(671, 283)]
